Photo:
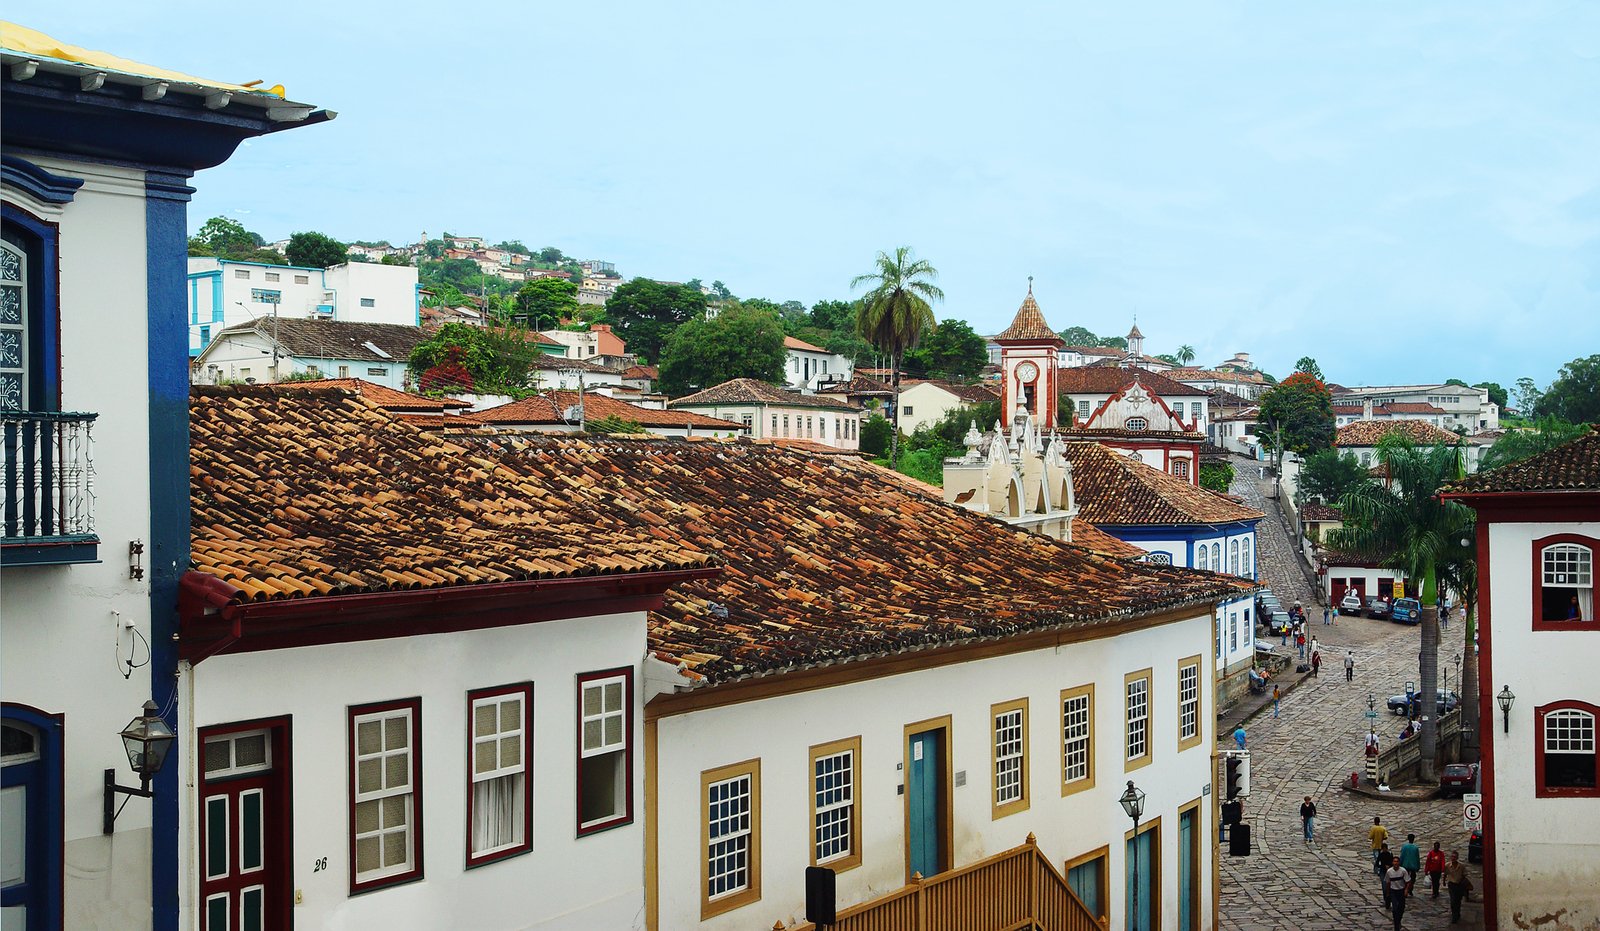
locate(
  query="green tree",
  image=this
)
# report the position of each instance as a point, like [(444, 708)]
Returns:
[(1408, 527), (739, 342), (1497, 394), (1328, 475), (645, 313), (513, 245), (1114, 342), (1517, 445), (1310, 367), (1301, 410), (392, 259), (1185, 354), (1575, 394), (875, 434), (611, 423), (1528, 395), (228, 239), (1168, 358), (542, 299), (315, 250), (1456, 381), (1216, 476), (895, 313), (951, 351), (720, 291), (834, 315), (499, 359), (550, 255), (1079, 336)]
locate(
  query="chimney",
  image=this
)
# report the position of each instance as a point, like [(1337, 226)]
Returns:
[(1366, 408)]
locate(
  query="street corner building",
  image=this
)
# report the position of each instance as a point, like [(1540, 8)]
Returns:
[(1538, 533), (98, 153)]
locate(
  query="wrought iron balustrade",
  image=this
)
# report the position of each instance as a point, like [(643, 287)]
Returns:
[(46, 482)]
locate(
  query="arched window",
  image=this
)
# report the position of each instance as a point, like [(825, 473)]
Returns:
[(1244, 556), (1233, 557), (1135, 423), (1160, 559), (1566, 581), (1216, 557), (1200, 557), (1180, 468), (1565, 762)]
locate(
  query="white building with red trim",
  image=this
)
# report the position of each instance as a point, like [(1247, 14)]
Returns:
[(1539, 703)]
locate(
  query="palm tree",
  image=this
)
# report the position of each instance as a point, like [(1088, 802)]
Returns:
[(1405, 523), (1185, 354), (894, 315), (1459, 573)]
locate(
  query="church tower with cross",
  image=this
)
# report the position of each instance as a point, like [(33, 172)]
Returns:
[(1029, 365)]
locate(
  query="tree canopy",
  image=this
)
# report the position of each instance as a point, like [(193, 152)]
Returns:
[(739, 342), (227, 238), (1329, 475), (951, 351), (546, 300), (895, 313), (644, 313), (315, 250), (1309, 366), (1302, 407), (1497, 394), (499, 360), (1575, 394), (1517, 445)]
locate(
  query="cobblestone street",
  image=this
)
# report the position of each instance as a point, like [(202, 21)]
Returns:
[(1328, 884)]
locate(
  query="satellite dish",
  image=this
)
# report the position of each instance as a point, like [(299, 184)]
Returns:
[(573, 412)]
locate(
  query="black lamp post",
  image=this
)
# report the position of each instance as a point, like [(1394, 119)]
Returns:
[(1505, 698), (1132, 802), (147, 740), (1372, 713)]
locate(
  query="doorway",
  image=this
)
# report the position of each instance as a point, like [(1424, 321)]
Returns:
[(30, 819), (927, 792), (245, 806)]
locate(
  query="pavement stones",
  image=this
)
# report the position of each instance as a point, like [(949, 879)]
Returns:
[(1311, 749)]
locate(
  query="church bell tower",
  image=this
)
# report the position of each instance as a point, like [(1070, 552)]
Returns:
[(1029, 360)]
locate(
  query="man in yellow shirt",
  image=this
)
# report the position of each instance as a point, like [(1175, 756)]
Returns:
[(1377, 835)]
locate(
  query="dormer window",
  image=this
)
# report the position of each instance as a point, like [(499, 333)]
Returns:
[(1136, 423)]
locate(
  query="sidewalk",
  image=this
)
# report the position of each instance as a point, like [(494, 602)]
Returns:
[(1250, 705)]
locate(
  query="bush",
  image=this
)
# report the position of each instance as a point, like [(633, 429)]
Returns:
[(875, 436)]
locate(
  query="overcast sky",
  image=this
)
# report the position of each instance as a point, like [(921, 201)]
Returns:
[(1406, 192)]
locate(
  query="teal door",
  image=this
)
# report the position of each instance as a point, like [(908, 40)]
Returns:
[(1188, 878), (924, 797), (1141, 870)]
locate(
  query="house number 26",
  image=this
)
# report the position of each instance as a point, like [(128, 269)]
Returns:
[(320, 865)]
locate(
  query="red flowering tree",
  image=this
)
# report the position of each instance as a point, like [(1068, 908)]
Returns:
[(449, 375)]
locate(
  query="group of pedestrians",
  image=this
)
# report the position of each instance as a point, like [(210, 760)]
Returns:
[(1397, 872)]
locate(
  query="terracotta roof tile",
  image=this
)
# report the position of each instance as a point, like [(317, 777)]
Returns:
[(1115, 490), (859, 385), (336, 339), (1029, 324), (755, 391), (548, 407), (1091, 537), (1573, 466), (1096, 379), (301, 491), (973, 394), (390, 399), (789, 342), (1369, 432), (1320, 512)]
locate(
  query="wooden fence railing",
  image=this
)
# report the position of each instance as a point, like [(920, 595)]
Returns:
[(1010, 891)]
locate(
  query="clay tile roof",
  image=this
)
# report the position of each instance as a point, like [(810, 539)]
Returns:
[(1573, 466), (789, 342), (1369, 432), (1088, 535), (828, 560), (641, 371), (1029, 324), (973, 394), (547, 408), (315, 491), (390, 399), (755, 391), (860, 385), (1094, 350), (337, 339), (1134, 333), (1094, 379), (1116, 490), (1318, 511), (548, 363), (1413, 407)]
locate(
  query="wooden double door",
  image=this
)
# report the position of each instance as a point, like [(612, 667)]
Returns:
[(245, 875)]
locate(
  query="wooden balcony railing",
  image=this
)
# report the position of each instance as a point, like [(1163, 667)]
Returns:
[(1010, 891), (46, 487)]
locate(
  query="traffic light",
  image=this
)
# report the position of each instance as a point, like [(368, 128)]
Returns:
[(1232, 778), (1237, 776)]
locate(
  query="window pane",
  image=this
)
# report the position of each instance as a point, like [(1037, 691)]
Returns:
[(397, 770), (614, 696), (219, 755), (366, 817), (250, 831), (483, 720), (250, 750), (613, 730), (252, 902), (511, 715), (369, 737), (396, 848), (369, 776), (591, 701), (510, 751), (591, 734), (216, 837), (394, 811), (395, 733), (483, 759), (367, 850)]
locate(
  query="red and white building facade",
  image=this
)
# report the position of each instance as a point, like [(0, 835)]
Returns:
[(1029, 365), (1538, 534)]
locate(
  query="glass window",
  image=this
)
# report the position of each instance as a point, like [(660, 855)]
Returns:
[(272, 276), (498, 803), (302, 279), (1180, 468), (14, 336), (1233, 557), (604, 762), (1136, 423), (1137, 714), (1189, 701), (1569, 750), (368, 302), (1566, 583), (1010, 749), (834, 819), (730, 800), (242, 273), (1244, 556), (1077, 735), (1201, 562), (385, 808)]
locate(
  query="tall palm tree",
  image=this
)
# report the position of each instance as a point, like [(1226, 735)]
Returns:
[(1405, 523), (1459, 573), (1186, 354), (894, 315)]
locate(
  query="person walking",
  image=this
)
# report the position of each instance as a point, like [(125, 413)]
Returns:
[(1316, 663), (1283, 635), (1308, 818), (1433, 867), (1350, 666), (1300, 643), (1377, 834), (1455, 880), (1394, 888), (1315, 646), (1327, 615), (1238, 736), (1410, 861), (1274, 701), (1386, 862)]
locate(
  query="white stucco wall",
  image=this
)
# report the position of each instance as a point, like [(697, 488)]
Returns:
[(779, 731), (62, 641), (1546, 857), (833, 433), (925, 404), (566, 881), (391, 289)]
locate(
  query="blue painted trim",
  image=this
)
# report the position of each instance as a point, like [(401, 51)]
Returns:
[(52, 740), (51, 551), (36, 182), (194, 303), (46, 277), (166, 257)]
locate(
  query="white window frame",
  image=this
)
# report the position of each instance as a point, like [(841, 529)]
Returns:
[(834, 804), (1008, 757), (1077, 736), (622, 810), (1136, 715), (408, 791), (514, 775), (1189, 701)]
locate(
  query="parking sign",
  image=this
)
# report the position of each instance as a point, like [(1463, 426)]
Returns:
[(1472, 811)]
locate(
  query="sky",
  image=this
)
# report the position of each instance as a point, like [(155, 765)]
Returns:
[(1405, 192)]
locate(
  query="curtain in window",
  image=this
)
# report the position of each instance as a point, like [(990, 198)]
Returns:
[(497, 812)]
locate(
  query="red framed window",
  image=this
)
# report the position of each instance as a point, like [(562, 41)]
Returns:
[(1563, 582), (385, 794), (1566, 764), (605, 749), (499, 773)]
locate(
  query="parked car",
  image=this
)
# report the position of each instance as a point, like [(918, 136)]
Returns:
[(1447, 701), (1475, 847), (1278, 622), (1350, 603), (1406, 611), (1377, 606), (1458, 778)]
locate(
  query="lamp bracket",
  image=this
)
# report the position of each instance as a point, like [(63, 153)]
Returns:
[(110, 810)]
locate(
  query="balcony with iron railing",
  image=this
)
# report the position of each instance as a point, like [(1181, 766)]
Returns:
[(47, 488)]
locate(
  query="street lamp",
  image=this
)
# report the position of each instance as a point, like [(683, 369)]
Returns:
[(147, 739), (1132, 802), (1505, 698)]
